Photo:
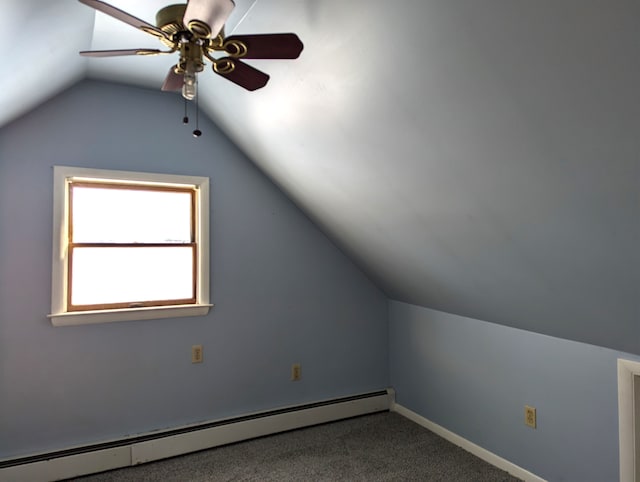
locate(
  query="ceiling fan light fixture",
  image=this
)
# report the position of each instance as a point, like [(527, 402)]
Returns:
[(189, 86), (190, 80)]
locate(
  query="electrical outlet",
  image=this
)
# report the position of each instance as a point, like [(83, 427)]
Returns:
[(196, 354), (296, 372), (530, 416)]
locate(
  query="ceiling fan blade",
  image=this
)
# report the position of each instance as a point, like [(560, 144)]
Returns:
[(118, 53), (173, 81), (240, 73), (205, 18), (125, 17), (266, 46)]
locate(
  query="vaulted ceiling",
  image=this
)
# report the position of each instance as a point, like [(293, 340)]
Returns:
[(480, 157)]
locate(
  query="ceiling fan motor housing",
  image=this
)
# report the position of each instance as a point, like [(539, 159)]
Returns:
[(190, 55), (169, 20)]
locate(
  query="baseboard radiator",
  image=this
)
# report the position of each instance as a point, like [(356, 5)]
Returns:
[(139, 449)]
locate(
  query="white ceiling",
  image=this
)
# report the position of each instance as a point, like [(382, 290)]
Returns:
[(479, 157)]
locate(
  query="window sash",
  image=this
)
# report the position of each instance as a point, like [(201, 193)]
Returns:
[(72, 246), (131, 303), (126, 186)]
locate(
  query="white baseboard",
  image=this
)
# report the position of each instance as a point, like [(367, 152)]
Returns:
[(476, 450), (193, 438)]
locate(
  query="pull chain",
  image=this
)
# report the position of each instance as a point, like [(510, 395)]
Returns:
[(197, 132), (185, 119)]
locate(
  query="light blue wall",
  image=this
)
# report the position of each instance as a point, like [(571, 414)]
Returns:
[(474, 378), (283, 292)]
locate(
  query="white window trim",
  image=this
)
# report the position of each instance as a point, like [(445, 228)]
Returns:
[(59, 315), (627, 422)]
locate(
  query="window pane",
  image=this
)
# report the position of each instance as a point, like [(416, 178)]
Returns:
[(125, 275), (103, 215)]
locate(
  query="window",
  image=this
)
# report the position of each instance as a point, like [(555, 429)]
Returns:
[(128, 246)]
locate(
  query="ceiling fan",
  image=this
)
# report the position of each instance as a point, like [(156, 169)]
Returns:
[(195, 31)]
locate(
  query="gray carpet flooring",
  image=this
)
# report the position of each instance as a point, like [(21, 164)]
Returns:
[(379, 447)]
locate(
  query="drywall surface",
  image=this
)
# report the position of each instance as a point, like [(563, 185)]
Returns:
[(484, 162), (283, 292), (474, 378)]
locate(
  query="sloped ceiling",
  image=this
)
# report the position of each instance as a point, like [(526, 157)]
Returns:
[(480, 157), (39, 37)]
